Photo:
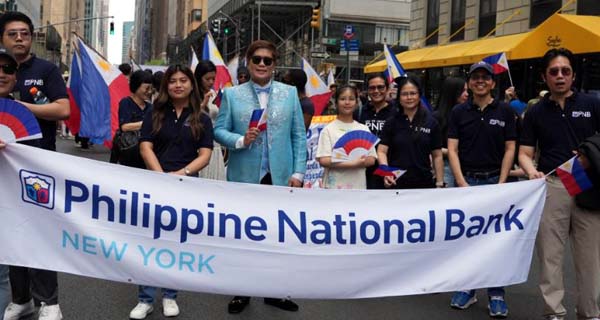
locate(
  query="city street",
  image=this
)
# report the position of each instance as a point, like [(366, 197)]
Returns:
[(87, 298)]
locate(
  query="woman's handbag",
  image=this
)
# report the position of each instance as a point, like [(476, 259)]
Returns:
[(128, 145)]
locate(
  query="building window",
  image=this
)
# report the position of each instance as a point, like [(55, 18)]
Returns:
[(588, 7), (392, 35), (433, 22), (487, 17), (458, 19), (542, 10)]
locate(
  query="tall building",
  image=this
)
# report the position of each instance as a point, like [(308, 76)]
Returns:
[(127, 33), (32, 8), (143, 36)]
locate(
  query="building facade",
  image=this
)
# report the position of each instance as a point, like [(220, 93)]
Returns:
[(437, 22), (128, 27)]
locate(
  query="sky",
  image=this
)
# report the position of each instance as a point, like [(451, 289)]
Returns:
[(122, 10)]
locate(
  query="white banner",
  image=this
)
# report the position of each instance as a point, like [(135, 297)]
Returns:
[(101, 220)]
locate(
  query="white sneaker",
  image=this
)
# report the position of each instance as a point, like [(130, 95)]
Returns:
[(140, 311), (170, 308), (15, 311), (50, 312)]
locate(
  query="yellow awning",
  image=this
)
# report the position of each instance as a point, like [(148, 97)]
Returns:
[(581, 34)]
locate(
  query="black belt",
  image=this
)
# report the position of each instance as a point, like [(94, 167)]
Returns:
[(482, 174)]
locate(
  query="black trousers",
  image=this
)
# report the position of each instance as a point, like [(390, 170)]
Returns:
[(27, 283)]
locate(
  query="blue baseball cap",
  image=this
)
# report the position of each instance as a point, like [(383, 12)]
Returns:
[(481, 65)]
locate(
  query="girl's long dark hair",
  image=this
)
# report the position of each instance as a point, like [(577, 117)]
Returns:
[(203, 67), (164, 102), (452, 88)]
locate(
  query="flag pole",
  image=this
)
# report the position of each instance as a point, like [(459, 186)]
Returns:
[(510, 78)]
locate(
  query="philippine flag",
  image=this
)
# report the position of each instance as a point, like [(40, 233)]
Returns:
[(194, 60), (73, 89), (102, 88), (573, 176), (330, 78), (258, 120), (316, 89), (394, 68), (223, 78), (498, 62), (384, 171)]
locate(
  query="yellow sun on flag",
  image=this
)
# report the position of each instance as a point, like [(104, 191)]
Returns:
[(314, 81), (216, 53), (104, 65), (36, 186), (567, 166)]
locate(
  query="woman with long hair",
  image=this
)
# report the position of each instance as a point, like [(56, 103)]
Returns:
[(177, 138), (205, 74), (454, 92), (410, 139)]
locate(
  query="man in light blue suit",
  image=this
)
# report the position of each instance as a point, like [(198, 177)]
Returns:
[(275, 156)]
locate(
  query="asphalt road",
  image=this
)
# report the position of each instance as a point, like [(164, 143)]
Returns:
[(87, 298)]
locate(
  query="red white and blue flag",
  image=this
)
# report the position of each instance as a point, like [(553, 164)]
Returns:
[(101, 88), (316, 89), (223, 78), (498, 62), (394, 68), (573, 176), (73, 89), (385, 171), (258, 119)]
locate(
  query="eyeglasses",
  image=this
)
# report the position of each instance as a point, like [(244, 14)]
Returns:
[(378, 87), (566, 71), (409, 93), (266, 60), (8, 68), (484, 77), (14, 34)]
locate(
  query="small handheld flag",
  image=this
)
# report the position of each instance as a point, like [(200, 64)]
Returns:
[(316, 90), (573, 176), (385, 171), (394, 68), (258, 120), (353, 145), (500, 64), (17, 123)]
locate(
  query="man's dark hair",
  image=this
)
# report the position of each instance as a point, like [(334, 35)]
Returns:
[(553, 53), (261, 44), (298, 79), (11, 16), (378, 75), (125, 68), (137, 78)]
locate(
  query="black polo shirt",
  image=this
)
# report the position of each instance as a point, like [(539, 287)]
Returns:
[(44, 75), (173, 144), (410, 143), (558, 132), (376, 120), (482, 134), (130, 112)]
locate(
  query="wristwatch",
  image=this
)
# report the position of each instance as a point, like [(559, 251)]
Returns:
[(187, 171)]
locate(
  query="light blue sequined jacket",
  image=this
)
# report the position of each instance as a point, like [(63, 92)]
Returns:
[(286, 135)]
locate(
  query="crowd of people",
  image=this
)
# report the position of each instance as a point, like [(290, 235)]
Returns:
[(470, 139)]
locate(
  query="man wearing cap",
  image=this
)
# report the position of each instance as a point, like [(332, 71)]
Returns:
[(481, 150), (8, 78), (16, 31), (242, 75)]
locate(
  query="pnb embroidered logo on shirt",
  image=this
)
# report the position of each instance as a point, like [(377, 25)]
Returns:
[(423, 130), (37, 189), (34, 82), (583, 114), (496, 122)]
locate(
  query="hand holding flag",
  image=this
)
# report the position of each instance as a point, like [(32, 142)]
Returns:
[(258, 120), (573, 176)]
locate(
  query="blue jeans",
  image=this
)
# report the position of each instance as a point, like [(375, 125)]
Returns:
[(448, 176), (4, 289), (146, 294), (499, 291)]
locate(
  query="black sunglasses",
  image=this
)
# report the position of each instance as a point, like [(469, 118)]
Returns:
[(8, 68), (566, 71), (266, 60)]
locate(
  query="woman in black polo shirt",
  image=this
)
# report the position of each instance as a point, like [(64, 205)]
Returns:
[(131, 114), (177, 137), (409, 139)]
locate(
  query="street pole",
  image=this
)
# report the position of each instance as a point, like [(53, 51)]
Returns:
[(347, 63)]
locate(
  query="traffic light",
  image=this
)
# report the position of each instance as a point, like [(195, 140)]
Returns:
[(226, 30), (112, 28), (216, 27), (316, 18)]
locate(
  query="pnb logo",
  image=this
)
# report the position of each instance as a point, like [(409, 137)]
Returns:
[(585, 114), (496, 122), (37, 189)]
